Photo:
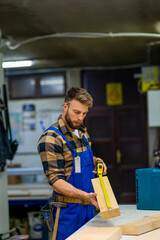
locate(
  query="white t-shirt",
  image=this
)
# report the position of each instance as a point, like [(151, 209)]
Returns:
[(76, 132)]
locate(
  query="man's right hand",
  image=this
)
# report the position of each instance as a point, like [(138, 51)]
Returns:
[(91, 197)]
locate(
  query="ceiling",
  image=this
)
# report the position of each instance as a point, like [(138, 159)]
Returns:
[(84, 33)]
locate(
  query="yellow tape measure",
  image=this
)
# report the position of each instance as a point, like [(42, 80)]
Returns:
[(100, 173)]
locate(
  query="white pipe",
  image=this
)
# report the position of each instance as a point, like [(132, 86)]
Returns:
[(80, 35)]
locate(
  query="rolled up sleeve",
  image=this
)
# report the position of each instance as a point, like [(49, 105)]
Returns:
[(51, 154)]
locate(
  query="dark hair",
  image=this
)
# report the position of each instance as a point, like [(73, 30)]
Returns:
[(79, 94)]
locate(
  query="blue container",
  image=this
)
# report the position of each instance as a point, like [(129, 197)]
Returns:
[(148, 188)]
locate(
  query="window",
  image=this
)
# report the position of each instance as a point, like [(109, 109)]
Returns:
[(50, 85), (25, 87), (37, 85)]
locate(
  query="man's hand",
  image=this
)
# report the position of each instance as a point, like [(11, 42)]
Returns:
[(104, 166), (91, 197)]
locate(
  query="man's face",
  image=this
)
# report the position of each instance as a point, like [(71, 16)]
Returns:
[(74, 113)]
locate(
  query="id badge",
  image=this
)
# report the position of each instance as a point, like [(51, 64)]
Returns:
[(77, 163)]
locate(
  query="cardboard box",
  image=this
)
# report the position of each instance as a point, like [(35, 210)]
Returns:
[(14, 179)]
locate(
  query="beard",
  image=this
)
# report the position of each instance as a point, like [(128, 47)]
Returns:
[(70, 122)]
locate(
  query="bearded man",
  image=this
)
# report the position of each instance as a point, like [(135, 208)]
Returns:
[(69, 164)]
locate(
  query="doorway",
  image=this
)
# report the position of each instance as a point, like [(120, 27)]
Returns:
[(118, 133)]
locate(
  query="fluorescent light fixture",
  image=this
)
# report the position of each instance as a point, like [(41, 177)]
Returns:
[(17, 64)]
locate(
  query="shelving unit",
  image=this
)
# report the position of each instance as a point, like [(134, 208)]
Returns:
[(27, 193), (27, 197)]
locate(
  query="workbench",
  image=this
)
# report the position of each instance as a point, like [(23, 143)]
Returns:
[(128, 213)]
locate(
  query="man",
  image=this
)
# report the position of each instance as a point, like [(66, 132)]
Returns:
[(68, 162)]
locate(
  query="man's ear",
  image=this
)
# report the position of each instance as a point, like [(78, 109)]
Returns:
[(65, 106)]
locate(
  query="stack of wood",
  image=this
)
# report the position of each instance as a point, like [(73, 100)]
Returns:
[(144, 228)]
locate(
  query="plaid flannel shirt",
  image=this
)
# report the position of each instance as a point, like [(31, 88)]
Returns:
[(56, 157)]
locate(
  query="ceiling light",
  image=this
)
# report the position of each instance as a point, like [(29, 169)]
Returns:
[(17, 64), (157, 26)]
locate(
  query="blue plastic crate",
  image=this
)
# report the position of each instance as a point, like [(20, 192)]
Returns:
[(148, 188)]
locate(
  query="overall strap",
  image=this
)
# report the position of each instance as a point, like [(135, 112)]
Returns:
[(60, 133), (86, 142), (88, 146)]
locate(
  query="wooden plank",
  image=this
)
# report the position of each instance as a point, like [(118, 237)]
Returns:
[(31, 192), (141, 225), (153, 235), (100, 233), (106, 214)]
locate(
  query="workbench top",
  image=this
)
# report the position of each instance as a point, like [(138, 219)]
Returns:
[(128, 213)]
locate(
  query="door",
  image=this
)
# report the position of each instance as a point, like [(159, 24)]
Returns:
[(100, 125), (131, 150), (118, 133)]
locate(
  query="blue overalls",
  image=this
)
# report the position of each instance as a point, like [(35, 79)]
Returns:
[(76, 215)]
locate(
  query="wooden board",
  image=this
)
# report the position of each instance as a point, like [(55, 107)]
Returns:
[(100, 233), (25, 192), (38, 189), (106, 214), (141, 225), (153, 235)]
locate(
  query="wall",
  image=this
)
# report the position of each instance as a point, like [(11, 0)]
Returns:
[(153, 107), (4, 209), (47, 110)]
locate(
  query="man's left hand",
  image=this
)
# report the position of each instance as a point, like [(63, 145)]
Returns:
[(104, 166)]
